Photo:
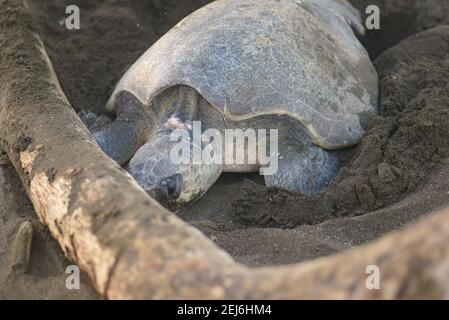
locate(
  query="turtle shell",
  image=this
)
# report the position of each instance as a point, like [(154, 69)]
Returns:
[(259, 57)]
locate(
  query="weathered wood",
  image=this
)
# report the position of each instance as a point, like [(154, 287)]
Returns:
[(129, 245)]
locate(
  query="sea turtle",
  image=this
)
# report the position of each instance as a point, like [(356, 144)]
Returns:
[(296, 66)]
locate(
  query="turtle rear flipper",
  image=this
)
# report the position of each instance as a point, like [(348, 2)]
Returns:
[(306, 171)]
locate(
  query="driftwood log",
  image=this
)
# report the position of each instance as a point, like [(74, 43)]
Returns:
[(133, 248)]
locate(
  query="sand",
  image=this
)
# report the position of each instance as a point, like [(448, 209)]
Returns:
[(46, 277), (398, 173)]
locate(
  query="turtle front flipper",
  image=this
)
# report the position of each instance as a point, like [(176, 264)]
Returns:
[(122, 138), (307, 170)]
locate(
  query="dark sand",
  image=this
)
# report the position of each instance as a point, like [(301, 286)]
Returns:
[(399, 172), (46, 276)]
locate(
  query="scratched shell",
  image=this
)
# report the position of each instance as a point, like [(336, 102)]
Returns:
[(255, 57)]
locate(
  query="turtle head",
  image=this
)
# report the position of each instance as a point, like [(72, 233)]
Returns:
[(169, 176)]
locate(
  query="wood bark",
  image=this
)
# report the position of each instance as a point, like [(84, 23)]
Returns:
[(133, 248)]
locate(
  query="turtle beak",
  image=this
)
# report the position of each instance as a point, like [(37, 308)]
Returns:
[(161, 196)]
